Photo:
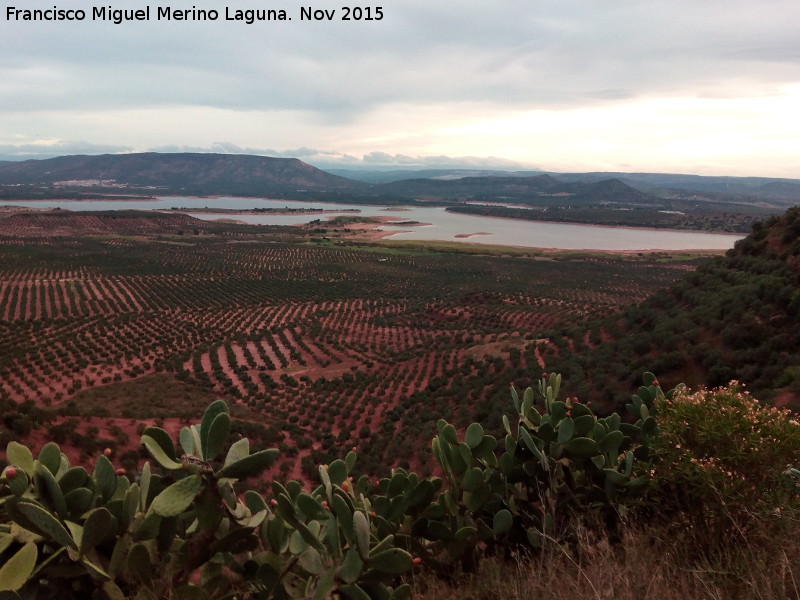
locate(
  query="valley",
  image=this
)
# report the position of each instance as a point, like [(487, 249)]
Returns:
[(324, 344)]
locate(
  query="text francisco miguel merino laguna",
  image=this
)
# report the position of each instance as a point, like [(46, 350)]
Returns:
[(167, 13)]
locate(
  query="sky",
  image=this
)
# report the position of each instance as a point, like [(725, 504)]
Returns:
[(708, 87)]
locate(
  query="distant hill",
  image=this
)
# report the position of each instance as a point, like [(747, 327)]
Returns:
[(736, 317), (714, 188), (235, 174), (178, 173), (785, 191), (539, 190), (196, 174)]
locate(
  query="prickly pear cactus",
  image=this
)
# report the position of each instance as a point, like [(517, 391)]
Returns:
[(328, 541), (68, 532), (557, 460), (187, 527)]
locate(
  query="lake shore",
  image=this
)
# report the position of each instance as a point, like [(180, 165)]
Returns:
[(431, 223)]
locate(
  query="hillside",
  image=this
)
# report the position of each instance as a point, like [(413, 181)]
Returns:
[(539, 190), (777, 191), (736, 317), (182, 173), (757, 190)]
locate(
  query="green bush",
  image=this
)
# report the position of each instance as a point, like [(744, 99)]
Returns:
[(724, 462)]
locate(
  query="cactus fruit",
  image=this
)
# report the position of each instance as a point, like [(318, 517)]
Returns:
[(16, 479)]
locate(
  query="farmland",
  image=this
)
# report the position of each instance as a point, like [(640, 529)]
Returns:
[(318, 345)]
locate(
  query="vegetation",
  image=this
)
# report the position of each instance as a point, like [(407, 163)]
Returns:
[(104, 327), (143, 175), (735, 317), (320, 347), (554, 488), (703, 219)]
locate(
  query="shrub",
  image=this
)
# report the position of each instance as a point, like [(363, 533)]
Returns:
[(722, 460)]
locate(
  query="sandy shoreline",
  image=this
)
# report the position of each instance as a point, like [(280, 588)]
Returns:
[(369, 230), (301, 211)]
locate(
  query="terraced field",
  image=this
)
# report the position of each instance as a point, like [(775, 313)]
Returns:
[(320, 346)]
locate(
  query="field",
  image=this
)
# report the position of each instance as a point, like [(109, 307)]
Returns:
[(112, 322)]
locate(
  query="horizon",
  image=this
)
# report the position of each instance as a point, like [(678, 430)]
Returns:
[(438, 163)]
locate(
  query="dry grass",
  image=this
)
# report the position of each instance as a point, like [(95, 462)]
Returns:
[(643, 566)]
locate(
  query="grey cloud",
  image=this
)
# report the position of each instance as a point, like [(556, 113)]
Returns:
[(498, 56), (543, 54)]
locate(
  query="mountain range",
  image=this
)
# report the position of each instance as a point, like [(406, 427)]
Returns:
[(260, 176)]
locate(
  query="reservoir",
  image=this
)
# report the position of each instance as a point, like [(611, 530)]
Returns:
[(440, 224)]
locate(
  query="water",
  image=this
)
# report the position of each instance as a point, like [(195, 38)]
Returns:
[(442, 225)]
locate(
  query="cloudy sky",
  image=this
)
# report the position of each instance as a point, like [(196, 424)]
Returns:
[(708, 87)]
